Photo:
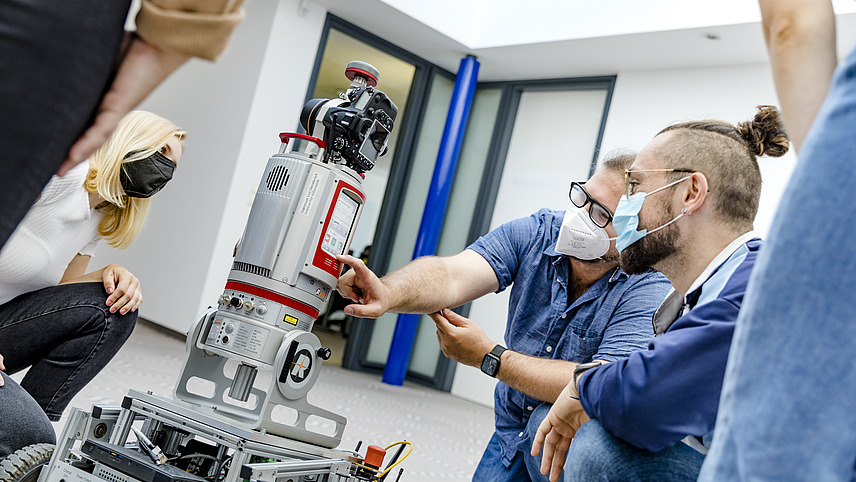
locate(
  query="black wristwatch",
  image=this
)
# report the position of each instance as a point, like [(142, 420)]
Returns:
[(582, 368), (490, 362)]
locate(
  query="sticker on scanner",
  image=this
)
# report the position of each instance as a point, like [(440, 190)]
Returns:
[(290, 320)]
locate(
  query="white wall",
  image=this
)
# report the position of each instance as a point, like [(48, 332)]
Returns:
[(232, 110)]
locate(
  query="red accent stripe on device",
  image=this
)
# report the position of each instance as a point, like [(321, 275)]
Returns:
[(275, 297)]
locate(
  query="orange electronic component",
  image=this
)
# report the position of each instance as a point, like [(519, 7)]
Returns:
[(374, 456)]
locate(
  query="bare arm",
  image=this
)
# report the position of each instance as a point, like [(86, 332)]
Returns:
[(800, 37), (76, 269), (465, 342), (425, 285), (540, 378), (122, 287)]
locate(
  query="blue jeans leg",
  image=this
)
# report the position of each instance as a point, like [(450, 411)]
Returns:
[(524, 467), (65, 335), (23, 422), (533, 464), (491, 468), (597, 455), (787, 405)]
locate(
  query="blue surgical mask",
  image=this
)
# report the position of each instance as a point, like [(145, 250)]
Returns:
[(626, 217)]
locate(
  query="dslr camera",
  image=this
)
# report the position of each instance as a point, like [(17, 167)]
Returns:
[(355, 127)]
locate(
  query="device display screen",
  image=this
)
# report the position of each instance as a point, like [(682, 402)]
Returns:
[(341, 222), (362, 101), (375, 141)]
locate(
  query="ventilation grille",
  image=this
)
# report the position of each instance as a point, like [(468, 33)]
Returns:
[(277, 178), (251, 268), (106, 473)]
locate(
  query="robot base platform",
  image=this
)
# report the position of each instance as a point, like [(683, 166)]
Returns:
[(95, 447)]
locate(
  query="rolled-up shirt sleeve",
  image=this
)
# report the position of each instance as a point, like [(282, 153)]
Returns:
[(198, 28), (505, 246)]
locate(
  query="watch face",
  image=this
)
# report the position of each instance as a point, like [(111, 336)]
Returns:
[(490, 365)]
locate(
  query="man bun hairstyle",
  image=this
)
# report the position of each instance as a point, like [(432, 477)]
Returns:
[(765, 135), (728, 157)]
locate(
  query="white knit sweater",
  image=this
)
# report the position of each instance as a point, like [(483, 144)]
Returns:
[(57, 227)]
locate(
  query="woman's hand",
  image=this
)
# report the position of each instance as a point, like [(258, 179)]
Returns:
[(2, 367), (123, 288)]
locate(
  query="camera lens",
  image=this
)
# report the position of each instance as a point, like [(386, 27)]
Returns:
[(310, 111)]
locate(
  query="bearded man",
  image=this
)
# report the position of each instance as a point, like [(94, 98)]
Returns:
[(690, 200)]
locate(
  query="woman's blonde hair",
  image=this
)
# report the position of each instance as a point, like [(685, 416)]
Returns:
[(138, 135)]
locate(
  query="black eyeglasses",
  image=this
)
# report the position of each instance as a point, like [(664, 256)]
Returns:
[(599, 215)]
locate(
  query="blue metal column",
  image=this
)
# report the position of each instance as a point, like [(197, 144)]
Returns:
[(435, 209)]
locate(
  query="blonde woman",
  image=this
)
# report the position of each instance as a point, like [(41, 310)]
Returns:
[(61, 321)]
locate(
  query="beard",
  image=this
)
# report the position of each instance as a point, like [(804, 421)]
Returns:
[(642, 255)]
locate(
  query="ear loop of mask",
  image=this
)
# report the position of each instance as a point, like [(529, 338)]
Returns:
[(679, 216), (664, 187), (684, 211)]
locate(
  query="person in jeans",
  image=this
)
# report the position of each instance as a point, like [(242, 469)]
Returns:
[(61, 322), (690, 202), (786, 411), (569, 304)]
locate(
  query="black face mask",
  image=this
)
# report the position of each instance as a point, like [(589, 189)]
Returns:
[(147, 176)]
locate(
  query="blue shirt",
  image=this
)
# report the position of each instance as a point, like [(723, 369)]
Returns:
[(655, 398), (608, 322)]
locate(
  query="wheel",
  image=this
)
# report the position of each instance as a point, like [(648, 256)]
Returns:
[(24, 465)]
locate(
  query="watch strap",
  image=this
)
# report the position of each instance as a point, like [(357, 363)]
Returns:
[(491, 361), (582, 368)]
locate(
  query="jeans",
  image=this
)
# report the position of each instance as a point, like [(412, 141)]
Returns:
[(597, 455), (786, 410), (56, 57), (23, 422), (65, 334), (523, 466)]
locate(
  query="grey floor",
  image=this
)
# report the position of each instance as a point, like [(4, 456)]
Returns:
[(448, 434)]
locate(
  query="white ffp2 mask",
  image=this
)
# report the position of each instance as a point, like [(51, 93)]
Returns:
[(580, 237)]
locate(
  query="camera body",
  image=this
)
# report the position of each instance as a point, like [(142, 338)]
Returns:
[(355, 127)]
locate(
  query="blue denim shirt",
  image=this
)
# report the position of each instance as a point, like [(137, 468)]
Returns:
[(608, 322)]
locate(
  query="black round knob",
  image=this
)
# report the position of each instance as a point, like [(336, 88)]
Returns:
[(324, 353), (236, 302), (100, 430)]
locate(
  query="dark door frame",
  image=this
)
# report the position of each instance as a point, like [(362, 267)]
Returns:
[(360, 331)]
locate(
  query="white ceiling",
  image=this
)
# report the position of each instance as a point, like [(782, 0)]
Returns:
[(570, 38)]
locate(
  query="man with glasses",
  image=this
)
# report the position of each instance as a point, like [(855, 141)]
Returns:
[(569, 304), (689, 204)]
